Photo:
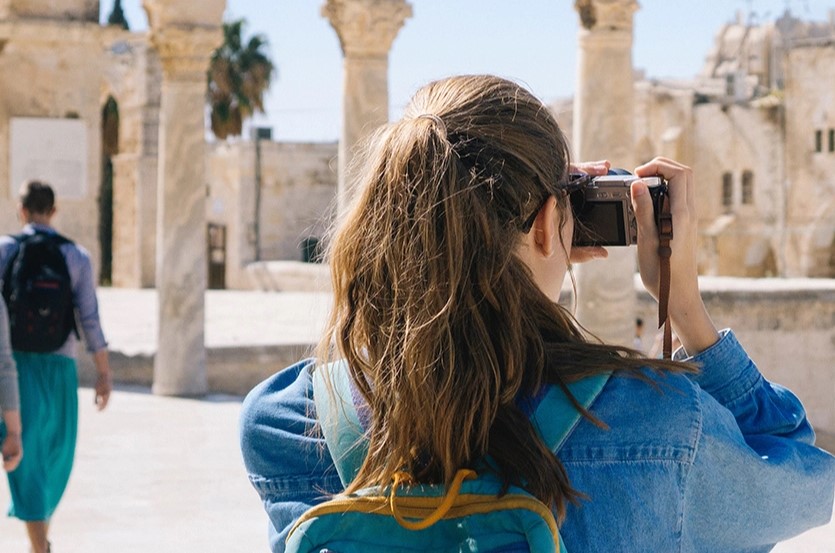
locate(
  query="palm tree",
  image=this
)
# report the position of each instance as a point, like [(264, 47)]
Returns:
[(238, 77)]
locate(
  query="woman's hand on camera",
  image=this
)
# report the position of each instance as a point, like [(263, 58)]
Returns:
[(686, 310), (596, 168)]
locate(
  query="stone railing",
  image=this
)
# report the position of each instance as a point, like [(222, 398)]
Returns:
[(788, 328)]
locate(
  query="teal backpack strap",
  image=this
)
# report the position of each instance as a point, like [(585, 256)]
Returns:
[(556, 417), (339, 420)]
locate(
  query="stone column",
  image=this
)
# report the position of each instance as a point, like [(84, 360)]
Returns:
[(366, 30), (180, 362), (604, 129)]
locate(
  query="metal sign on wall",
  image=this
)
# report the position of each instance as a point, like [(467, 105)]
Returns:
[(51, 150)]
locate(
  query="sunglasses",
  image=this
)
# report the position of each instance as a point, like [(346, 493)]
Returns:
[(572, 187)]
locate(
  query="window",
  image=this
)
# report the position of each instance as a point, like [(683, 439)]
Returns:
[(730, 85), (818, 141), (727, 191), (747, 187), (832, 140)]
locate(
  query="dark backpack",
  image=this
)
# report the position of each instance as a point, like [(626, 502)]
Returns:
[(38, 293)]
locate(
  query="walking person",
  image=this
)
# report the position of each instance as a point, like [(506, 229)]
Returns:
[(50, 293), (10, 428), (446, 272)]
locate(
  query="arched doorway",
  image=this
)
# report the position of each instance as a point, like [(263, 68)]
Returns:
[(109, 148)]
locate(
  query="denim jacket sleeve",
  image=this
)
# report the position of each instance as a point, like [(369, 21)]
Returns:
[(287, 461), (756, 477)]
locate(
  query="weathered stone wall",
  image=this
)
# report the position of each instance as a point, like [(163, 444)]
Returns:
[(132, 77), (72, 10), (663, 122), (788, 328), (811, 204), (52, 69), (298, 194), (738, 239)]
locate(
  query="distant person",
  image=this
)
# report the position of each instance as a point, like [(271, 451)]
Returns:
[(50, 294), (447, 333), (9, 398), (638, 341)]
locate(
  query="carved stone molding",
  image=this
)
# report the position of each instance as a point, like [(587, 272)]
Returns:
[(185, 52), (611, 15), (179, 13), (366, 28)]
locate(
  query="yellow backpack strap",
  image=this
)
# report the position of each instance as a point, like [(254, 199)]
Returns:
[(437, 514), (339, 420)]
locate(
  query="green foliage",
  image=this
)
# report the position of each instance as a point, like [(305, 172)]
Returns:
[(239, 74)]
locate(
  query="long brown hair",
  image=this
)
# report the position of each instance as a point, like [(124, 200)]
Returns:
[(441, 324)]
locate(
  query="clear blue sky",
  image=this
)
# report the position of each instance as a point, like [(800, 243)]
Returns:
[(532, 41)]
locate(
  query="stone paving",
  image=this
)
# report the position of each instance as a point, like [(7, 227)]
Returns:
[(165, 474)]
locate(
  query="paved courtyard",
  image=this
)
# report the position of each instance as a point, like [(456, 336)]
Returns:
[(162, 475)]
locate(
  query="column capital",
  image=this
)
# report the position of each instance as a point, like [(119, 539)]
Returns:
[(609, 15), (185, 51), (173, 13), (366, 28)]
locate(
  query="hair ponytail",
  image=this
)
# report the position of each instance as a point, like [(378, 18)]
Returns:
[(441, 324)]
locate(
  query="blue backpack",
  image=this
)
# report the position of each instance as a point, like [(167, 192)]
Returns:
[(470, 516)]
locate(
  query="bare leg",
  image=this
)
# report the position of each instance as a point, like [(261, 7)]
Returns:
[(37, 530)]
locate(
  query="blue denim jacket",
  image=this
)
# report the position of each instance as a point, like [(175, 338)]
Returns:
[(718, 462)]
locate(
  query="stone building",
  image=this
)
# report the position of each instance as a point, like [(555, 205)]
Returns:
[(756, 124), (50, 109), (758, 127)]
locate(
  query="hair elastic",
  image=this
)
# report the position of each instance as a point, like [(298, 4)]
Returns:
[(434, 118)]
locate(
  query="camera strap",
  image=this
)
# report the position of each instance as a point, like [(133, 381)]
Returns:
[(664, 223)]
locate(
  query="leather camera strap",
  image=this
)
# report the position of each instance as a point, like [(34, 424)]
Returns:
[(664, 223)]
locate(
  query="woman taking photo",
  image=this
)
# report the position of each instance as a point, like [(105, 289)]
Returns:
[(446, 273)]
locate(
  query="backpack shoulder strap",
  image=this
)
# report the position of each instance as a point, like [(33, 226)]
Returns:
[(7, 269), (338, 419), (556, 417), (52, 235)]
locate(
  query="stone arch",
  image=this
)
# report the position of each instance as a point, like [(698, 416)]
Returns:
[(109, 148)]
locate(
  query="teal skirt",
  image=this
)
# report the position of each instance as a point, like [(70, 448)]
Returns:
[(49, 416)]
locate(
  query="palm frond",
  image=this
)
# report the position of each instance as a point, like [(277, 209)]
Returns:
[(238, 78)]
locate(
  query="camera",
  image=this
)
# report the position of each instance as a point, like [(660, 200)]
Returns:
[(602, 207)]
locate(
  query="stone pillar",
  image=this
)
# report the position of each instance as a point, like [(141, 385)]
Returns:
[(604, 129), (180, 362), (366, 30)]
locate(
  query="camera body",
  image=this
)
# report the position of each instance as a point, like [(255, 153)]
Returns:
[(602, 207)]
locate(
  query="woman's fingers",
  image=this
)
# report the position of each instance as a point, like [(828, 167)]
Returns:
[(591, 167), (679, 178), (647, 235)]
